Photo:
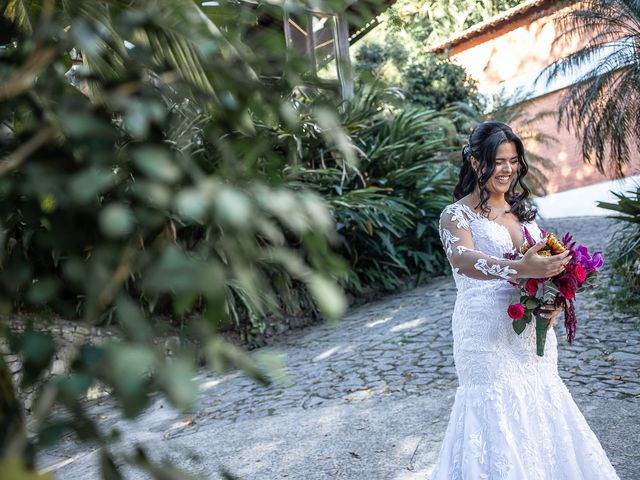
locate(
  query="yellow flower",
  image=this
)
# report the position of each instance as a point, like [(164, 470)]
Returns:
[(48, 203)]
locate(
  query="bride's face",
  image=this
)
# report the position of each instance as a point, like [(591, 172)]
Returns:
[(506, 169)]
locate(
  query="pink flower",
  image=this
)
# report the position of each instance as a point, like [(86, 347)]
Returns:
[(516, 311), (532, 286)]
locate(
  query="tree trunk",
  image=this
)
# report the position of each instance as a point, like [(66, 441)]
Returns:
[(13, 432)]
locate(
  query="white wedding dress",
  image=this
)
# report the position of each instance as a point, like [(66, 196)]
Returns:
[(513, 417)]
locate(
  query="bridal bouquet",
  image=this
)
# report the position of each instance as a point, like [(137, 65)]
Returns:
[(580, 274)]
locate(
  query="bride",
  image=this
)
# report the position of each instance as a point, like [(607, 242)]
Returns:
[(512, 417)]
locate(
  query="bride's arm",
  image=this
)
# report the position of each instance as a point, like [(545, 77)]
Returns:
[(457, 241)]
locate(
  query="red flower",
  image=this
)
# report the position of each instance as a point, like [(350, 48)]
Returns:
[(516, 311), (580, 273), (568, 285), (532, 286)]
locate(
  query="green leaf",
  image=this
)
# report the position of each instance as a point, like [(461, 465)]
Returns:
[(177, 272), (43, 290), (14, 468), (541, 334), (329, 297), (519, 325), (176, 378), (37, 351), (532, 303), (128, 368), (116, 220), (135, 326), (108, 466), (192, 204), (86, 185), (221, 355), (156, 195), (157, 163)]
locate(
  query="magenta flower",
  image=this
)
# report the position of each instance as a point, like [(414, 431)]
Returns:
[(597, 261), (528, 237), (516, 311), (589, 263), (580, 273), (532, 286), (568, 242)]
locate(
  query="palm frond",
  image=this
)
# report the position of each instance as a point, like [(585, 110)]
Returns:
[(603, 105)]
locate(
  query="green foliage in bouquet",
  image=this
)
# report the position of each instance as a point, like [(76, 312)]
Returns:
[(532, 307)]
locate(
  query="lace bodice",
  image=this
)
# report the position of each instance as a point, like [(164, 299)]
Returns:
[(476, 246)]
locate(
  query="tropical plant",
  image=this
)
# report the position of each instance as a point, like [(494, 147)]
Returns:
[(604, 105), (625, 248), (112, 204), (387, 208), (429, 80), (399, 52)]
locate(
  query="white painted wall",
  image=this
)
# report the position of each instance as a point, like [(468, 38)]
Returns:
[(581, 202)]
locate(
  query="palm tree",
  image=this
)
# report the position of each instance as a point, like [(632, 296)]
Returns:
[(604, 105)]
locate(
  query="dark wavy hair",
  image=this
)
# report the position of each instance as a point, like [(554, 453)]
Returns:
[(483, 144)]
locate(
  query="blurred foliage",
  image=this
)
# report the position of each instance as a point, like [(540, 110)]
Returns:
[(625, 249), (182, 171), (157, 187)]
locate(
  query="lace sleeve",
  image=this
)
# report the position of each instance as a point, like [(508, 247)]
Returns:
[(455, 234)]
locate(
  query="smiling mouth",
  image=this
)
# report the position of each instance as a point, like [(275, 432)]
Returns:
[(505, 179)]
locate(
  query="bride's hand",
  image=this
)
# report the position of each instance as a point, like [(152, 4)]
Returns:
[(551, 313), (536, 266)]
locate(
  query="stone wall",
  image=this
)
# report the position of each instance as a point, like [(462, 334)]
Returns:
[(68, 335)]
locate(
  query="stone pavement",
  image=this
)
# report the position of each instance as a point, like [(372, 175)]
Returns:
[(369, 397)]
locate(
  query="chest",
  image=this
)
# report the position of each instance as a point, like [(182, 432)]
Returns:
[(497, 238), (515, 230)]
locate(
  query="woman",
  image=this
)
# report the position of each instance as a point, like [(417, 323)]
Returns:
[(513, 417)]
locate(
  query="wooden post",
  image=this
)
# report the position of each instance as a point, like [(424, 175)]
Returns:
[(343, 61)]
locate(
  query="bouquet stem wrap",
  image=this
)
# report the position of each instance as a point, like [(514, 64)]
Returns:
[(541, 334)]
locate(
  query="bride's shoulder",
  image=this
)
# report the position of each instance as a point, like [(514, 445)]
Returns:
[(453, 209), (458, 212), (460, 207)]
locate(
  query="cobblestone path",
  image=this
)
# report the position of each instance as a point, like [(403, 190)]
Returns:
[(369, 397)]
